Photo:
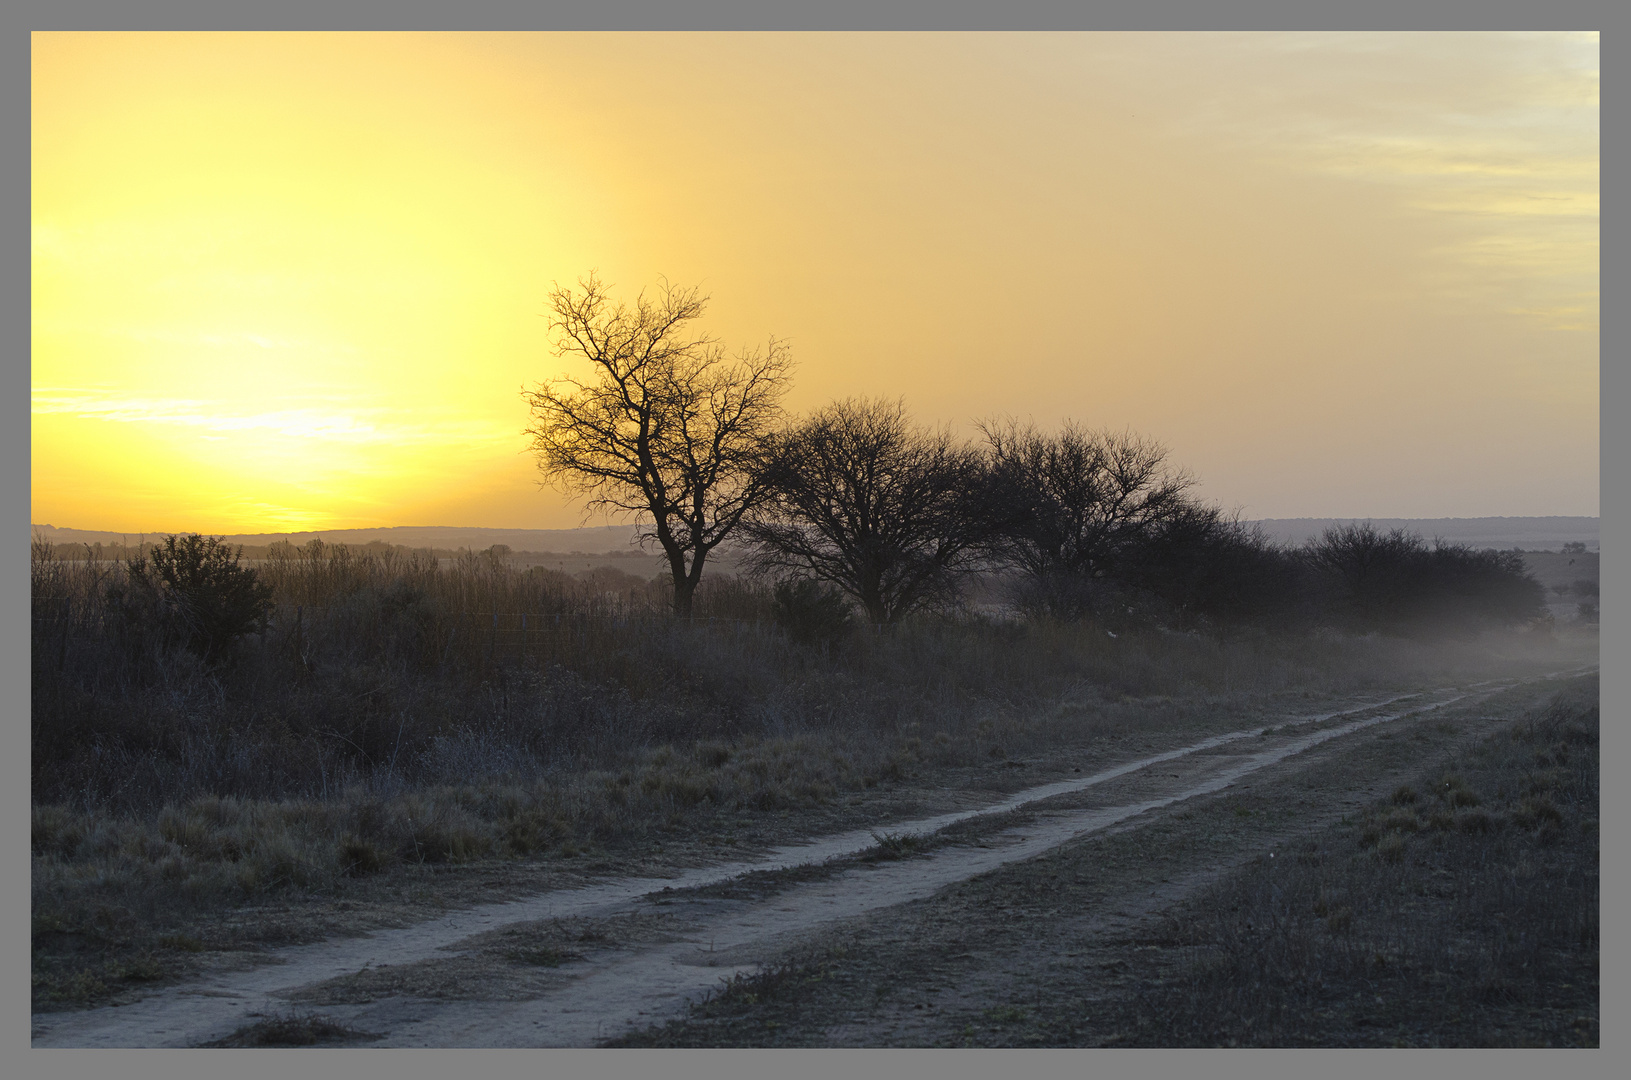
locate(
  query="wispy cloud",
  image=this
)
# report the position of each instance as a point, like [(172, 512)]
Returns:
[(356, 425), (1493, 139)]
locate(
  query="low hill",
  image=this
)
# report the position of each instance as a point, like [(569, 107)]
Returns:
[(1529, 533)]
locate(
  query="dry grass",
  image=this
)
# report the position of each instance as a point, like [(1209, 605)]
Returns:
[(374, 727), (1466, 915), (294, 1029)]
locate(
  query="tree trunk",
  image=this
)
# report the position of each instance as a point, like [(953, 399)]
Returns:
[(683, 590), (684, 585), (694, 578)]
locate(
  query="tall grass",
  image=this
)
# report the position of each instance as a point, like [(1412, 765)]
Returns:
[(388, 669), (395, 711)]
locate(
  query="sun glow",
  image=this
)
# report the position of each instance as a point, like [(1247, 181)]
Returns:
[(296, 281)]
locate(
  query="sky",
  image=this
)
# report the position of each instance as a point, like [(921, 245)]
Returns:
[(288, 282)]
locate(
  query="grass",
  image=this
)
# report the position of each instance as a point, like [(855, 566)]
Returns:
[(768, 983), (894, 846), (1462, 915), (294, 1029), (544, 956), (375, 731)]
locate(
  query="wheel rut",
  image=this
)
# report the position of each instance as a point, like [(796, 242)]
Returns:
[(693, 939)]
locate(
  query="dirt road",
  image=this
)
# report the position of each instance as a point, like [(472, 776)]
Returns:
[(923, 899)]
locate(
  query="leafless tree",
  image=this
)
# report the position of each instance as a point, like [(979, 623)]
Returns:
[(1071, 506), (666, 427), (863, 498)]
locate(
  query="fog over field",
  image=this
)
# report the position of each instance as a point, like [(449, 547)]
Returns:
[(1528, 533)]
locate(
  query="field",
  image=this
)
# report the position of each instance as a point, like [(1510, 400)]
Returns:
[(1570, 580), (395, 823)]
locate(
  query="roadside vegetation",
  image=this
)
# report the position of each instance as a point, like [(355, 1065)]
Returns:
[(369, 722), (1461, 908), (1461, 911), (206, 733)]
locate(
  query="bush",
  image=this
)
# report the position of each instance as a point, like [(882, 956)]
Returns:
[(1395, 582), (190, 591), (810, 612), (1065, 597), (1202, 563)]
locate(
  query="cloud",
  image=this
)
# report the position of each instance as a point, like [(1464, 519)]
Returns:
[(1491, 140), (355, 424)]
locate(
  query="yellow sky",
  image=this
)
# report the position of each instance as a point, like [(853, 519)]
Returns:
[(296, 281)]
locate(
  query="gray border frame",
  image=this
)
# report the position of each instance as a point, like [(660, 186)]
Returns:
[(733, 14)]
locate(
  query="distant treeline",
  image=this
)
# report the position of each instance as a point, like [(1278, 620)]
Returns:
[(861, 503), (859, 514), (856, 506), (111, 552)]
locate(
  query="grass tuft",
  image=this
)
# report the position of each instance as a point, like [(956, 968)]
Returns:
[(1462, 931), (294, 1029)]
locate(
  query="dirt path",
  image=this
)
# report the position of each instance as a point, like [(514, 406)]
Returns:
[(1059, 950), (576, 967)]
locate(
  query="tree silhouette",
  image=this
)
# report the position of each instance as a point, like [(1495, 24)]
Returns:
[(1072, 508), (665, 427), (861, 497)]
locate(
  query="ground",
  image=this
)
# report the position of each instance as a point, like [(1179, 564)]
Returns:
[(1353, 879)]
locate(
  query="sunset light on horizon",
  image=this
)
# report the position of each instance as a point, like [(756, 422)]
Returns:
[(298, 281)]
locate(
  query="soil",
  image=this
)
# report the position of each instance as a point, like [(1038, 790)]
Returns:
[(995, 902)]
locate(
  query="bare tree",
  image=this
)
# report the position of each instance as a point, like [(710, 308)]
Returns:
[(1071, 506), (1203, 563), (863, 498), (666, 428)]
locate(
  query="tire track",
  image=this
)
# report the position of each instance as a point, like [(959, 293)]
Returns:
[(607, 996)]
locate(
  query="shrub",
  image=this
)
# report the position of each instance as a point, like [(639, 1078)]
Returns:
[(1201, 562), (810, 612), (190, 591), (1396, 582)]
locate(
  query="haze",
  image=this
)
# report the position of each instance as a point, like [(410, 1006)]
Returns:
[(297, 281)]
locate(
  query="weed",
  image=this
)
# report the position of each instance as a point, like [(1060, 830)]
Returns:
[(77, 988), (1454, 790), (1400, 820), (1390, 848), (181, 943), (294, 1029), (544, 956), (1534, 812), (897, 846)]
